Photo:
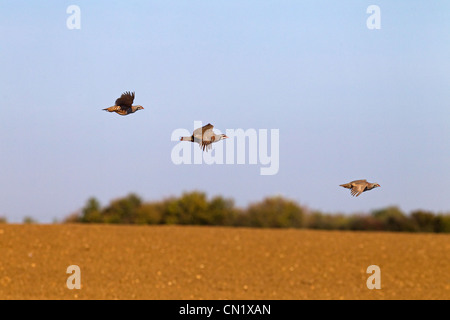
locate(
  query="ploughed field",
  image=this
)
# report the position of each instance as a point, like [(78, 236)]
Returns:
[(175, 262)]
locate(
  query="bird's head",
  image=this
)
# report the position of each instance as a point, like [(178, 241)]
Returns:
[(139, 108), (223, 136), (376, 185)]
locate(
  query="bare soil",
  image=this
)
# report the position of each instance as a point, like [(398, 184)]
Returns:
[(174, 262)]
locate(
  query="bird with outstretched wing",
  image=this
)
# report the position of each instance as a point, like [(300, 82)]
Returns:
[(124, 105), (204, 136)]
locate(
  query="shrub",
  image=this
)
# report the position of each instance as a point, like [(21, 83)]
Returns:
[(424, 220), (393, 219), (29, 220), (149, 213), (193, 208), (122, 210), (365, 222), (221, 211), (442, 223), (321, 221), (91, 211), (275, 212)]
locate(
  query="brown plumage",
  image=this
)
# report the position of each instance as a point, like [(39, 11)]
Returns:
[(359, 186), (124, 105)]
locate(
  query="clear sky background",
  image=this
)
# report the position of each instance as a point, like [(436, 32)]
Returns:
[(349, 102)]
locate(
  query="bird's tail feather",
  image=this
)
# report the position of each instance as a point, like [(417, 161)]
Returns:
[(111, 109), (346, 185)]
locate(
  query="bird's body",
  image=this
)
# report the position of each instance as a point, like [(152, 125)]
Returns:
[(359, 186), (205, 137), (123, 105)]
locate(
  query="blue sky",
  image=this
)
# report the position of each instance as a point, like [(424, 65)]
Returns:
[(349, 102)]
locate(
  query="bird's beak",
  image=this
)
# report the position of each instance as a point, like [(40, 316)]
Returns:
[(225, 137)]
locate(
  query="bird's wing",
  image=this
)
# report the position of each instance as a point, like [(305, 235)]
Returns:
[(208, 127), (206, 145), (204, 133), (362, 181), (209, 135), (125, 100), (207, 139), (357, 190)]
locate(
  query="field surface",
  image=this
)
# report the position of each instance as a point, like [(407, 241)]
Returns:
[(172, 262)]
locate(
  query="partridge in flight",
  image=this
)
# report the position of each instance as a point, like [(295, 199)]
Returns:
[(359, 186), (124, 105), (205, 137)]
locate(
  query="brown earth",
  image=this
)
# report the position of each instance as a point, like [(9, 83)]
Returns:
[(172, 262)]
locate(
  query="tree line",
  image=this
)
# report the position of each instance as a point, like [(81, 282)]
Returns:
[(194, 208)]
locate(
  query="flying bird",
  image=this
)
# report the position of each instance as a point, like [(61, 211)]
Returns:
[(359, 186), (205, 137), (124, 105)]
